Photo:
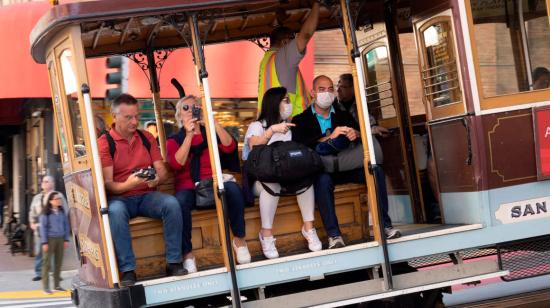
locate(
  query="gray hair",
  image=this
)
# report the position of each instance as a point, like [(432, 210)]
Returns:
[(179, 107)]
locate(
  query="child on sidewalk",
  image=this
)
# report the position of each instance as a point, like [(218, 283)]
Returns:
[(54, 236)]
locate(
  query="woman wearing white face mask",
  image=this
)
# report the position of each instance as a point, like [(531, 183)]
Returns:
[(270, 127)]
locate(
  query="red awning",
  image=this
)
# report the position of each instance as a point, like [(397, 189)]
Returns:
[(232, 67)]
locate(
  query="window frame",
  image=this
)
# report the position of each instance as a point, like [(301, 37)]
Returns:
[(503, 100), (449, 110), (381, 42)]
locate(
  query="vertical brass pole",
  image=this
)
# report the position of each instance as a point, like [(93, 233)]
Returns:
[(364, 123), (155, 91), (213, 151)]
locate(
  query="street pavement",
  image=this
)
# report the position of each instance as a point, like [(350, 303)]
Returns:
[(17, 290)]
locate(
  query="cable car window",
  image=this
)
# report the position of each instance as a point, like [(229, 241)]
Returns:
[(58, 114), (70, 82), (379, 87), (439, 70), (512, 39)]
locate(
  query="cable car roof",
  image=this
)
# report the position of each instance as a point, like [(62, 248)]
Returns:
[(127, 26)]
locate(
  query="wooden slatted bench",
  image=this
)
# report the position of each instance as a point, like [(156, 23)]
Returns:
[(148, 242)]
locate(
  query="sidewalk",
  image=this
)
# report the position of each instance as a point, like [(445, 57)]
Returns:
[(17, 271)]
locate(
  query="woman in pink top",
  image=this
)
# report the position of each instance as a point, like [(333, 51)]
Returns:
[(188, 156)]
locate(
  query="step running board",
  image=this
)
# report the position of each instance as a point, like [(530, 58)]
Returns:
[(369, 290)]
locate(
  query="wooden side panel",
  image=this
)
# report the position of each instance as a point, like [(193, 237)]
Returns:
[(148, 243), (510, 148), (454, 155), (85, 224)]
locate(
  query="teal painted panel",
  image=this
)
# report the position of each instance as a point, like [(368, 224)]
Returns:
[(188, 288), (304, 268), (516, 193), (463, 208), (399, 209), (469, 239)]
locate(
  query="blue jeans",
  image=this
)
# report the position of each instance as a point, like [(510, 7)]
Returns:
[(380, 178), (324, 198), (38, 263), (155, 205), (235, 208)]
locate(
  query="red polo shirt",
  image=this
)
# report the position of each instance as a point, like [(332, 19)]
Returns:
[(128, 157), (183, 178)]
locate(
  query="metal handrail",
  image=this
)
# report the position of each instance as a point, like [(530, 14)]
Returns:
[(378, 84), (441, 91), (441, 82), (438, 66), (440, 74)]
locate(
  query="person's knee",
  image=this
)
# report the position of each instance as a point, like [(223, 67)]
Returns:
[(185, 199), (170, 204), (324, 182), (118, 210)]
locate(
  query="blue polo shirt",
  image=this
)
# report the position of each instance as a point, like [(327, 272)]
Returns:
[(324, 123)]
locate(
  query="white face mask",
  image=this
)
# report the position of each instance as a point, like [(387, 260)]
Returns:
[(325, 99), (287, 111)]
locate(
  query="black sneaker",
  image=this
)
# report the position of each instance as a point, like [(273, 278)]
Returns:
[(175, 269), (37, 278), (128, 279)]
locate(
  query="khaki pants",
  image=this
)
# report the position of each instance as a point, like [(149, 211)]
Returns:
[(55, 251)]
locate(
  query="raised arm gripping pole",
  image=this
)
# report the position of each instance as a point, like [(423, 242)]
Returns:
[(100, 184), (221, 205)]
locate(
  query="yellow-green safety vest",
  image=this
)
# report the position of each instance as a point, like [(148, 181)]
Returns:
[(268, 79)]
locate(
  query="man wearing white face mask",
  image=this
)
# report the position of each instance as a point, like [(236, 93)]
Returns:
[(320, 124)]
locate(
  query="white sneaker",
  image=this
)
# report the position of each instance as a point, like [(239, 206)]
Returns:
[(268, 247), (392, 232), (190, 265), (242, 253), (313, 242)]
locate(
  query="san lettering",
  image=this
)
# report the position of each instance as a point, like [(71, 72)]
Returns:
[(528, 209)]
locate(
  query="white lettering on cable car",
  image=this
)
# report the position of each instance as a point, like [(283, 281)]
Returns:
[(523, 210)]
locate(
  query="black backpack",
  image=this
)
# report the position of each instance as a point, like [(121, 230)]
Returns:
[(289, 163)]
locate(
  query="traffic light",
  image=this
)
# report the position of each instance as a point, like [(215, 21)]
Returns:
[(118, 78)]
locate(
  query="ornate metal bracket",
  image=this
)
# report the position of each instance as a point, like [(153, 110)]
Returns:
[(262, 42), (159, 56)]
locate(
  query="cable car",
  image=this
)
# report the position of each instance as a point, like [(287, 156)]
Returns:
[(480, 148)]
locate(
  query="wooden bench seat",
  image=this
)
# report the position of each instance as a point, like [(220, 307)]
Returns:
[(148, 242)]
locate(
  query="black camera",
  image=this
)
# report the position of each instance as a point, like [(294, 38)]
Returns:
[(146, 173), (196, 112)]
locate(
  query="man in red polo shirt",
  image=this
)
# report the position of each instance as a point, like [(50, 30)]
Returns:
[(130, 195)]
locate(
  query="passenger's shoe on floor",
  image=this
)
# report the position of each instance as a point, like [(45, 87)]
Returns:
[(392, 232), (313, 242), (335, 242), (190, 265), (128, 279), (37, 278), (60, 289), (242, 253), (47, 292), (268, 246), (175, 269)]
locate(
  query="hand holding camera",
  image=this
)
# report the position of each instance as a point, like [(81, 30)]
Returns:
[(146, 173)]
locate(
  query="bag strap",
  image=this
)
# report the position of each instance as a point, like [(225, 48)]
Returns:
[(112, 143), (271, 192)]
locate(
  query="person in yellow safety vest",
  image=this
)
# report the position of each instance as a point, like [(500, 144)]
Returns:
[(279, 66)]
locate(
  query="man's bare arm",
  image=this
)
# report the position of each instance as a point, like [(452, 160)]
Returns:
[(308, 28)]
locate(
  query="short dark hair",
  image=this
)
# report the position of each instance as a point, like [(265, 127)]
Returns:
[(270, 106), (123, 98), (278, 34), (347, 77), (539, 72), (150, 123)]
